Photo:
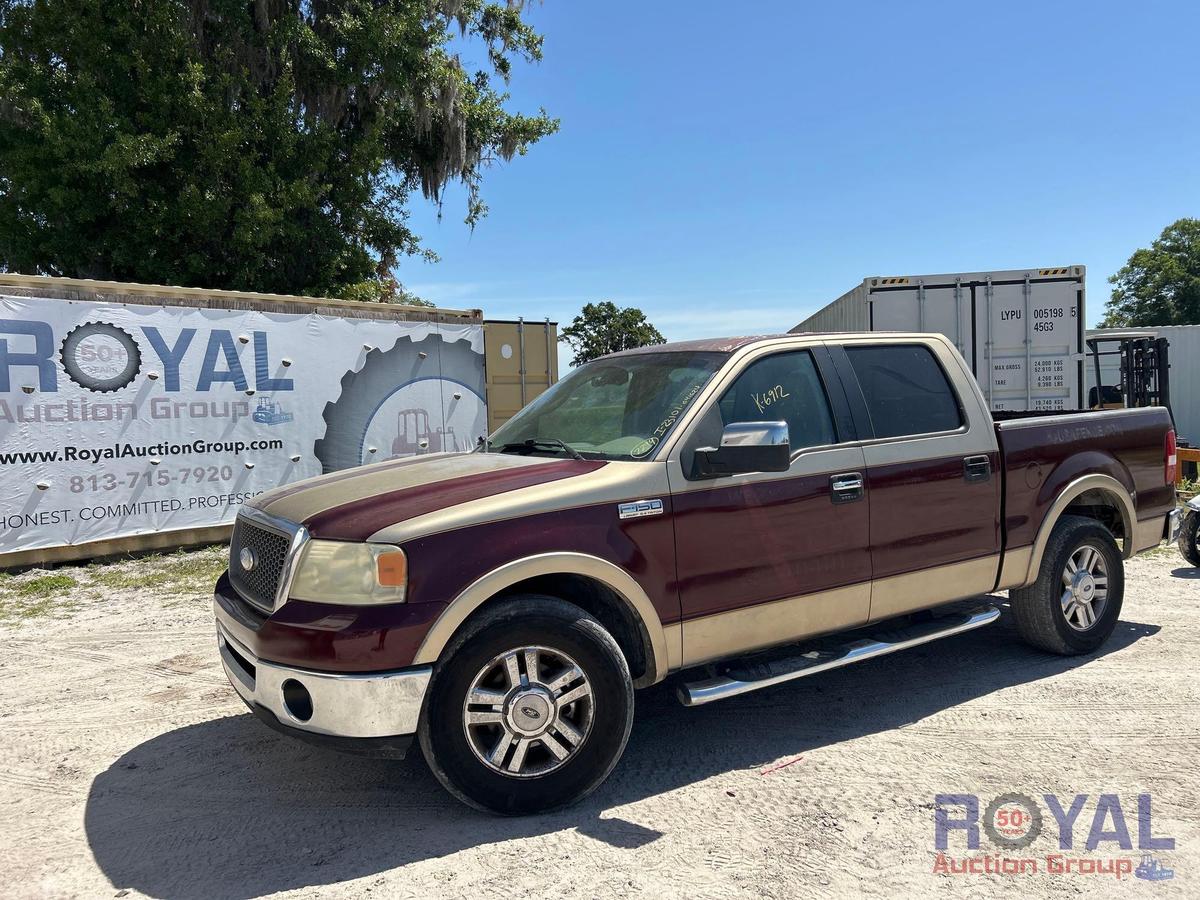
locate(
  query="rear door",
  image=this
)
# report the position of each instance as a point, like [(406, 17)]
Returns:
[(932, 474)]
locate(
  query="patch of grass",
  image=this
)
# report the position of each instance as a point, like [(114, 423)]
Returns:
[(43, 586), (1163, 551), (183, 573), (201, 565), (122, 578), (42, 606), (32, 597)]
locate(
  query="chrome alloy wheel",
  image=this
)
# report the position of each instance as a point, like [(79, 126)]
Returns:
[(1085, 587), (528, 711)]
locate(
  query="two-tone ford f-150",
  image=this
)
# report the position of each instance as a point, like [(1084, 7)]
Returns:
[(706, 507)]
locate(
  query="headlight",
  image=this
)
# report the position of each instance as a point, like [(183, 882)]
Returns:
[(351, 573)]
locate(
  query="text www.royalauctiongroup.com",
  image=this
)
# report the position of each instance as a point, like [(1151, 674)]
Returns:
[(131, 451)]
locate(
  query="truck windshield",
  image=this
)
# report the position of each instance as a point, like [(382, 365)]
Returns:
[(616, 408)]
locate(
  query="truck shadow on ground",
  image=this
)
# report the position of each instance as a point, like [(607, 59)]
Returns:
[(228, 808)]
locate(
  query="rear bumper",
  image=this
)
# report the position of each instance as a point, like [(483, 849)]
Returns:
[(1173, 525), (1149, 533), (329, 708)]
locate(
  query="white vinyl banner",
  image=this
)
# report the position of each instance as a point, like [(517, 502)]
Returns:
[(119, 420)]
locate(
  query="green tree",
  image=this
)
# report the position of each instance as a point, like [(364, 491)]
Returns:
[(1160, 285), (383, 288), (604, 328), (268, 145)]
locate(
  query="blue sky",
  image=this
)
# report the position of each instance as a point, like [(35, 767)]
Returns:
[(729, 168)]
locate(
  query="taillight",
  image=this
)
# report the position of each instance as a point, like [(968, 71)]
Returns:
[(1170, 461)]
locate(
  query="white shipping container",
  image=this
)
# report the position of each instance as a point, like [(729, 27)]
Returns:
[(1021, 331)]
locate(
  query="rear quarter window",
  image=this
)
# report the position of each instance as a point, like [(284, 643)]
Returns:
[(905, 390)]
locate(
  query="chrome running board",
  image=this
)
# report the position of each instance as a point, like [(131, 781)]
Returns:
[(741, 676)]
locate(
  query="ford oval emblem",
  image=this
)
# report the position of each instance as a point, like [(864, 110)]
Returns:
[(247, 560), (530, 712)]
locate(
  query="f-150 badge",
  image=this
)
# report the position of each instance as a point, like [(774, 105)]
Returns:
[(635, 509)]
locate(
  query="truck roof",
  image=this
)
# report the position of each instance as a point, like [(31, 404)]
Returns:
[(731, 344), (711, 345)]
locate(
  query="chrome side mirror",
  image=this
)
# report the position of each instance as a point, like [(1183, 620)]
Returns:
[(747, 447)]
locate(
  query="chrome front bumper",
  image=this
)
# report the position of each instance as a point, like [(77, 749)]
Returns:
[(342, 705)]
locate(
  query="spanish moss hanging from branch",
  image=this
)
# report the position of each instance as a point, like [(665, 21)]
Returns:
[(271, 145)]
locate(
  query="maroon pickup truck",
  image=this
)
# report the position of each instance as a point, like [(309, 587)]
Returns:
[(707, 508)]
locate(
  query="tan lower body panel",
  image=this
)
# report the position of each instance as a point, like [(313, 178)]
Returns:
[(1014, 569), (779, 622), (1147, 533), (912, 591), (674, 637)]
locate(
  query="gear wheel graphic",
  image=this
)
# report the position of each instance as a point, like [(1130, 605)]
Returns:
[(384, 372), (77, 367), (1035, 821)]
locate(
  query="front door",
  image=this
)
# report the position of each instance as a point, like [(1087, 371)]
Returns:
[(770, 557)]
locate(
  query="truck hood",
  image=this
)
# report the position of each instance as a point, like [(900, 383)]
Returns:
[(358, 504)]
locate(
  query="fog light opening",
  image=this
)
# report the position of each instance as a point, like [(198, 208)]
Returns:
[(297, 700)]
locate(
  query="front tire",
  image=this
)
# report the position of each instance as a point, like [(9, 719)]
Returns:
[(1188, 537), (1074, 605), (529, 708)]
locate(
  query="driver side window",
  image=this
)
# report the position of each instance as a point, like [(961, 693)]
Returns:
[(784, 387)]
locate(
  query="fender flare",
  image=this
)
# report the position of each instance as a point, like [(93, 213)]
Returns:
[(615, 578), (1094, 482)]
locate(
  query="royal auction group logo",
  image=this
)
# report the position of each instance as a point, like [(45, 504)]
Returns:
[(1013, 822), (101, 357)]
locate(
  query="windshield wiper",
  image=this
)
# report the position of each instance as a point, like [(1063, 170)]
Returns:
[(541, 443)]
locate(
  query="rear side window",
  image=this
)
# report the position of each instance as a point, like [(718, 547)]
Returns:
[(906, 390)]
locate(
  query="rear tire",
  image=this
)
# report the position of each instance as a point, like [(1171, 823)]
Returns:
[(1188, 536), (1074, 605), (529, 708)]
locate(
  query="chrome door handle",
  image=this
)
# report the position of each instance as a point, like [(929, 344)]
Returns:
[(846, 488), (977, 468)]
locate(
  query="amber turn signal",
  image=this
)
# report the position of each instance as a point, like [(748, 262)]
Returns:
[(391, 569)]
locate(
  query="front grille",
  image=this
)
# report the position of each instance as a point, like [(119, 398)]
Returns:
[(270, 549)]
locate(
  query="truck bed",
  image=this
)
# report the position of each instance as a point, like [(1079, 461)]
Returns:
[(1045, 451)]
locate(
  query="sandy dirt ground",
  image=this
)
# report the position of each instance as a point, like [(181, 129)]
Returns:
[(128, 767)]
